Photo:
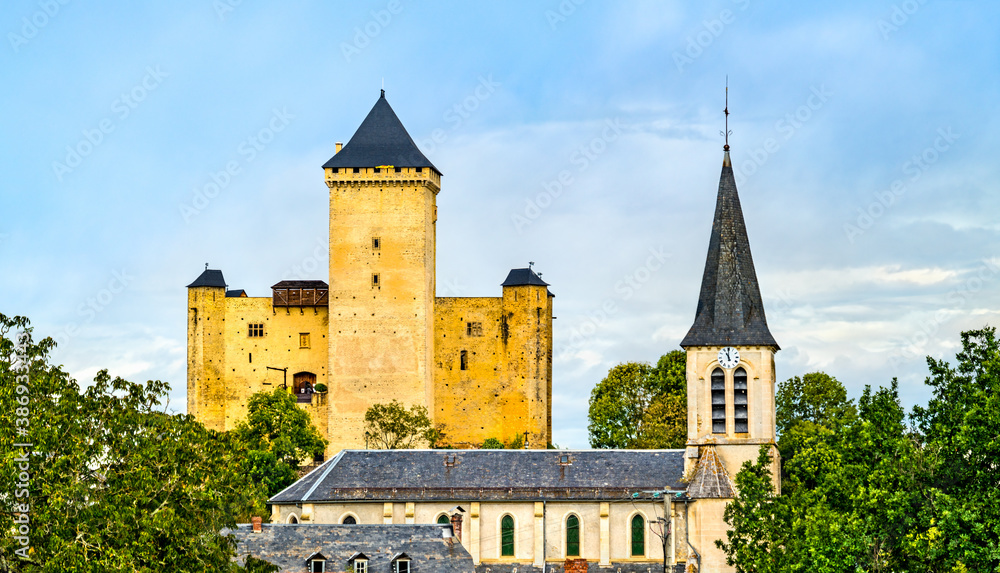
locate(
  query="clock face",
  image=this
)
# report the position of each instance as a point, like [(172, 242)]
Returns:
[(729, 357)]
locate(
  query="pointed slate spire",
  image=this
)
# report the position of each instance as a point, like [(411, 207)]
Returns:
[(730, 310), (380, 140)]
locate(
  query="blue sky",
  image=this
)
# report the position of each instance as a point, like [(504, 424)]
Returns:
[(581, 135)]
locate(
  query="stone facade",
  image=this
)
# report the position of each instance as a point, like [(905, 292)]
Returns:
[(481, 366)]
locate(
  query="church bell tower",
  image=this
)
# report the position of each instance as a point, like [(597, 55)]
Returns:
[(730, 351)]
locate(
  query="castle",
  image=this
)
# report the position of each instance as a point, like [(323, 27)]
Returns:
[(482, 366), (628, 511)]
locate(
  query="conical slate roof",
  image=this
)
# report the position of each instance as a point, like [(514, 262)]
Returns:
[(730, 310), (380, 140), (711, 480)]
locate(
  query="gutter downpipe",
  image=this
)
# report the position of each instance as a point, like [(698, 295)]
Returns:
[(687, 530)]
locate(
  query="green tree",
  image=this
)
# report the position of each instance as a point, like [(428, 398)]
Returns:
[(491, 444), (817, 398), (640, 406), (276, 437), (115, 483), (390, 427)]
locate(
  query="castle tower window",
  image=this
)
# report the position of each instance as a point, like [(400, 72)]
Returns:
[(572, 536), (375, 278), (256, 330), (507, 536), (463, 360), (638, 536), (740, 401), (718, 401), (303, 340), (376, 243), (303, 383), (474, 328)]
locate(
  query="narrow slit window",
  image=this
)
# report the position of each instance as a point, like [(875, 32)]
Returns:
[(375, 280), (740, 417), (718, 401), (463, 360), (376, 243)]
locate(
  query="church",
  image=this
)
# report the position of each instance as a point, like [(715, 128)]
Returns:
[(481, 366), (570, 511)]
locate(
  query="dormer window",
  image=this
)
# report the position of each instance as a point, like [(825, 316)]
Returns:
[(358, 562), (401, 563), (316, 563)]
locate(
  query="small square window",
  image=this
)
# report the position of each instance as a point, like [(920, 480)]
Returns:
[(474, 329), (256, 330), (303, 340)]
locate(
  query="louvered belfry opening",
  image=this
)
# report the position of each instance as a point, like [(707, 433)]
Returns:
[(718, 401), (740, 415)]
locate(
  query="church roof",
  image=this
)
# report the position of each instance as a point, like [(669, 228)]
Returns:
[(209, 278), (521, 277), (483, 475), (711, 480), (430, 548), (380, 140), (730, 311)]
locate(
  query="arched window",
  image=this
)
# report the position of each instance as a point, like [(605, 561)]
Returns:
[(507, 536), (718, 401), (443, 519), (740, 415), (349, 520), (292, 519), (572, 536), (638, 536)]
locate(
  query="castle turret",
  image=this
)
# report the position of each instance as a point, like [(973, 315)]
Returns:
[(527, 328), (383, 210), (206, 348)]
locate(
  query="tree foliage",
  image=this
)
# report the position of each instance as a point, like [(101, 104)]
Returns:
[(640, 406), (865, 491), (390, 427), (115, 483), (276, 437)]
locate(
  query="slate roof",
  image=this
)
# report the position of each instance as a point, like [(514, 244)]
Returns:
[(431, 548), (380, 140), (301, 284), (521, 277), (209, 278), (730, 311), (236, 293), (711, 480), (483, 475)]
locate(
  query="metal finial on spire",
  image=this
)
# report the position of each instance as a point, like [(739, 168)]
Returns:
[(531, 264), (206, 266), (728, 132)]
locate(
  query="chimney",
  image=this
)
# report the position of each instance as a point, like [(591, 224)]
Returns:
[(339, 147), (456, 525), (257, 528)]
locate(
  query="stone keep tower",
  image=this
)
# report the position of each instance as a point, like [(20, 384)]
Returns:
[(730, 373), (383, 208)]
